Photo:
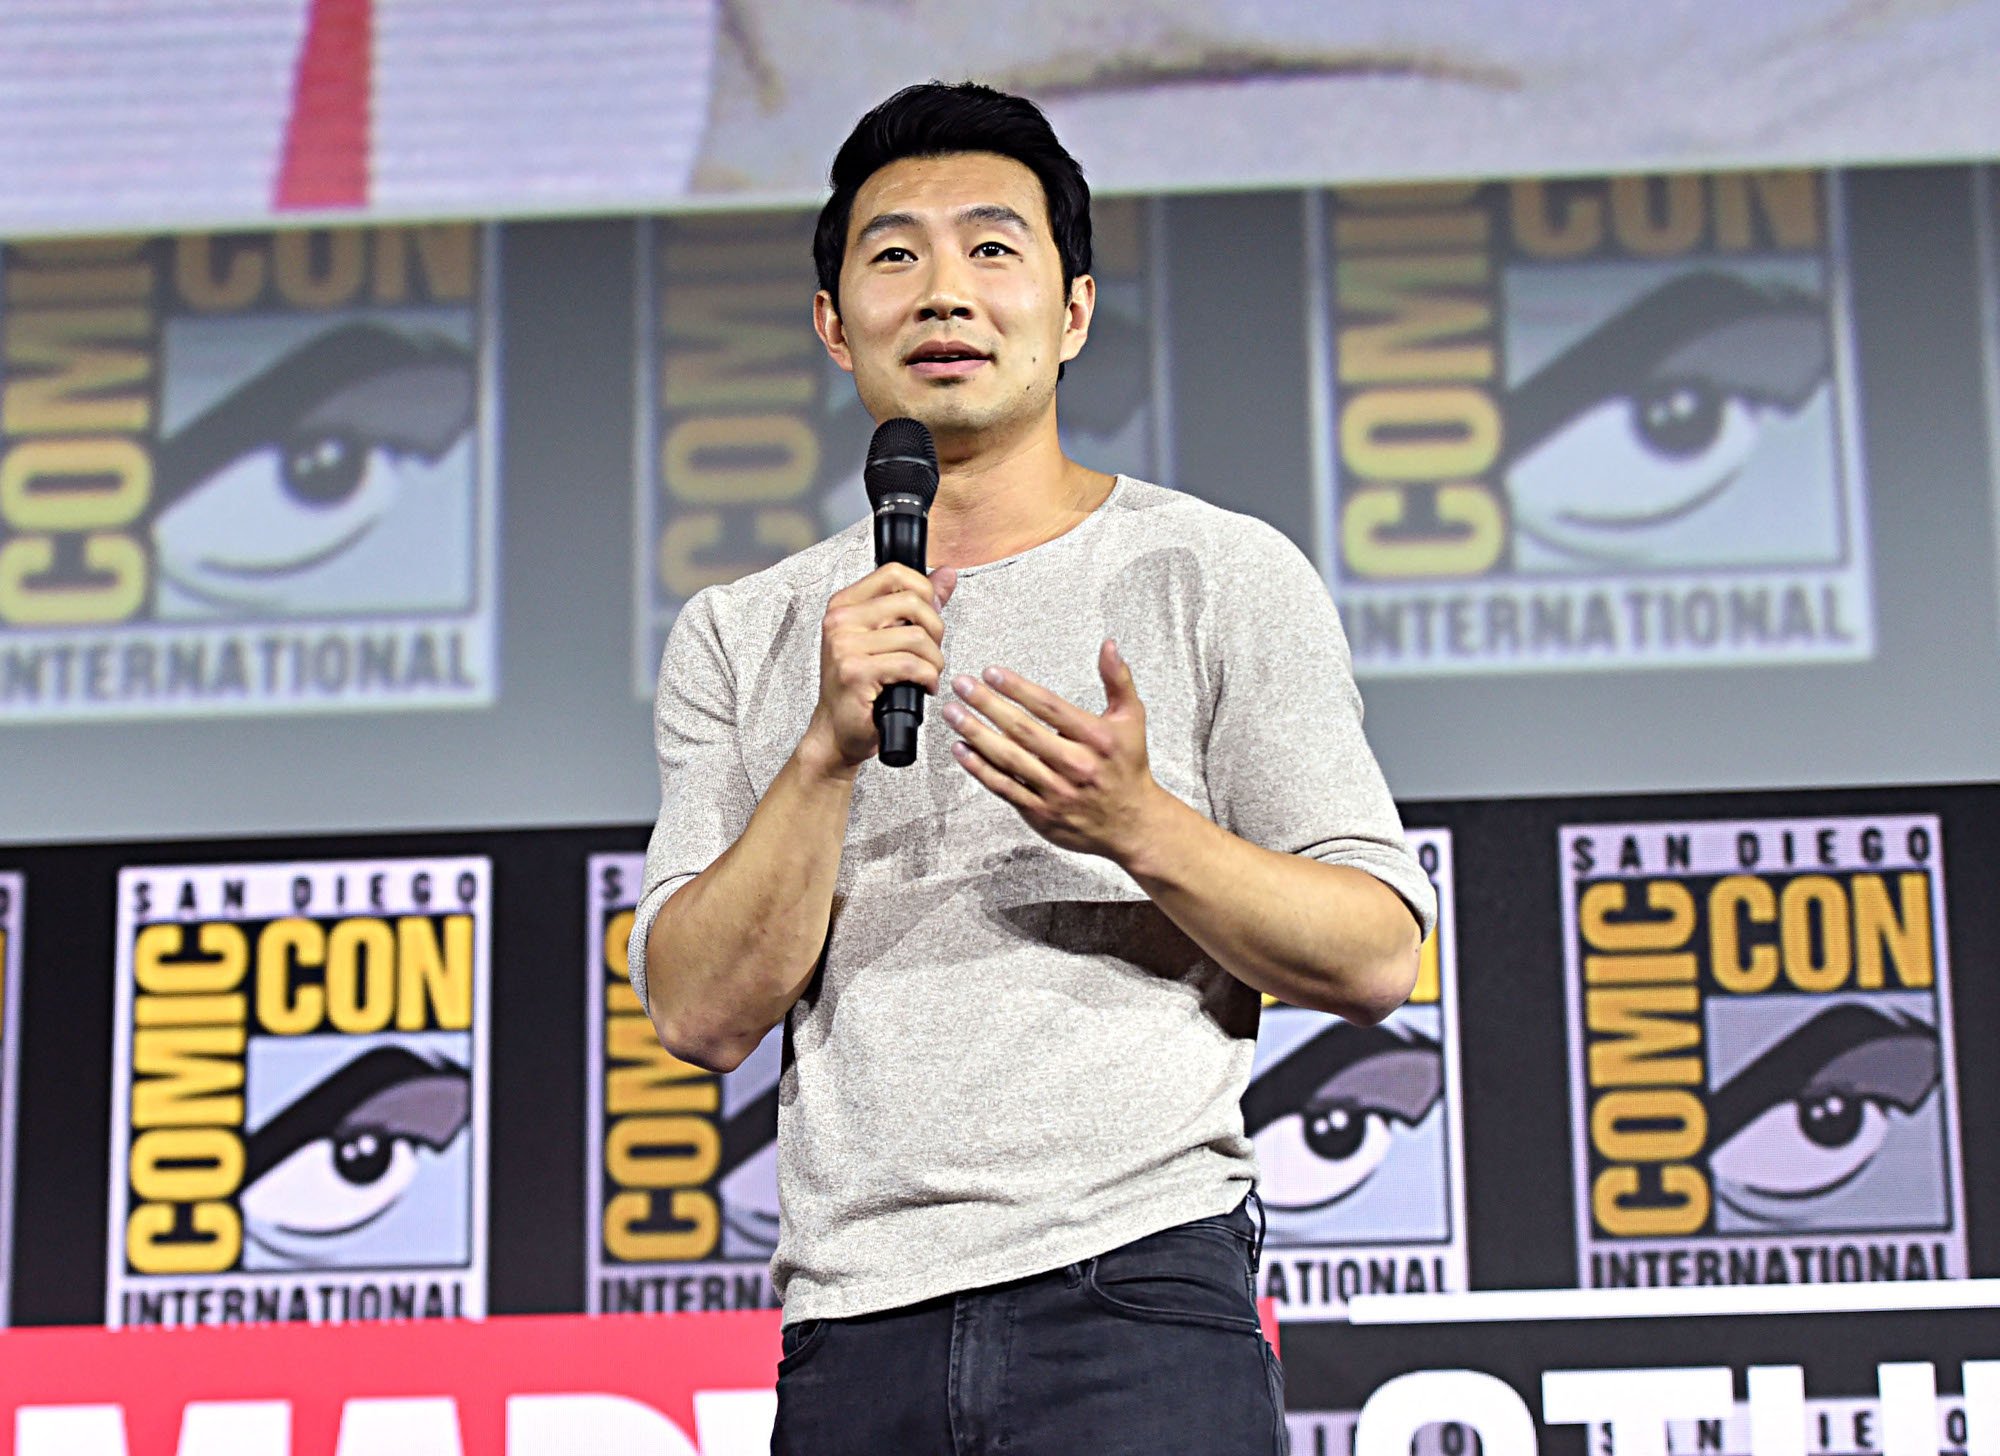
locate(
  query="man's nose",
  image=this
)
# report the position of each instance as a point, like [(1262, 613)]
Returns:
[(946, 294)]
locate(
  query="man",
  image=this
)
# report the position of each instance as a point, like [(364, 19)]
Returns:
[(1020, 978)]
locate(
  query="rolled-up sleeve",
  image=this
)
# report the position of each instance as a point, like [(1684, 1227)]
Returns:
[(705, 793), (1288, 765)]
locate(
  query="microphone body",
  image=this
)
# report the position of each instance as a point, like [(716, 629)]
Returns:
[(901, 476), (902, 533)]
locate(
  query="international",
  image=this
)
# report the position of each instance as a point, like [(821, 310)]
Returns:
[(1624, 624), (1873, 1262), (740, 1288), (1306, 1283), (217, 670), (246, 1302)]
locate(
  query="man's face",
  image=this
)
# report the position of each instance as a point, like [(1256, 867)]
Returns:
[(952, 309)]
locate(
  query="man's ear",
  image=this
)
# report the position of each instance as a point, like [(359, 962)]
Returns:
[(1076, 322), (826, 323)]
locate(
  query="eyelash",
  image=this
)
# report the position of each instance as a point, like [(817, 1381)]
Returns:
[(883, 256)]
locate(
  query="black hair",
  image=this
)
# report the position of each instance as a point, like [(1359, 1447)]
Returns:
[(934, 119)]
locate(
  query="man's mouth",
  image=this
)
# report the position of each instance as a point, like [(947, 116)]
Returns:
[(945, 361)]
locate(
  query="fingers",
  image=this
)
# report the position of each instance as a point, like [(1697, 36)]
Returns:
[(874, 613), (895, 667), (883, 629), (894, 593), (1022, 746), (893, 577), (1007, 787), (884, 581), (996, 748), (1006, 689), (860, 653), (908, 645), (866, 674), (944, 581), (1120, 692)]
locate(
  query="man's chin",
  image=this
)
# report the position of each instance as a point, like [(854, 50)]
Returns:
[(958, 409), (945, 414)]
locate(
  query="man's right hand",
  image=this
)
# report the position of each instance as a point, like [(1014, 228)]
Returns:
[(884, 629)]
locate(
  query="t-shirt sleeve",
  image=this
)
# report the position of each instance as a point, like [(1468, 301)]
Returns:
[(705, 793), (1288, 765)]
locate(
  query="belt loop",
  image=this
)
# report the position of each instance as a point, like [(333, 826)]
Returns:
[(1257, 1247)]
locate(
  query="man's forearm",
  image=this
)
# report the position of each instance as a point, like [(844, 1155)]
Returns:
[(733, 948), (1327, 937)]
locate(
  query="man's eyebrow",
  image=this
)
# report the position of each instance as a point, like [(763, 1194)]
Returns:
[(884, 222), (997, 213), (994, 214)]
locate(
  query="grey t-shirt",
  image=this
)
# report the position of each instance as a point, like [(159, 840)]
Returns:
[(1011, 1059)]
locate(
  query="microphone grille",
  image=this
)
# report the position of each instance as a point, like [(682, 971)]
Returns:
[(902, 460)]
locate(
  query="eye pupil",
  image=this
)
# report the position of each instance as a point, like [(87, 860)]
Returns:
[(1679, 418), (1335, 1133), (362, 1157), (1832, 1119), (324, 470)]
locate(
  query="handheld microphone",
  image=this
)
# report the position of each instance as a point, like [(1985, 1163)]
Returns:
[(902, 480)]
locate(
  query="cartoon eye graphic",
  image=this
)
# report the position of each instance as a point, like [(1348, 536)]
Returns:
[(1810, 1114), (324, 470), (340, 1157), (1679, 418), (1321, 1155), (1655, 414), (333, 1188), (1322, 1117), (289, 473)]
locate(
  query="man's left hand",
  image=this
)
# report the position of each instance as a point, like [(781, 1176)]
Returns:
[(1081, 780)]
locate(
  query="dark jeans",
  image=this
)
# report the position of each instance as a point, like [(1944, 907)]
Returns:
[(1150, 1350)]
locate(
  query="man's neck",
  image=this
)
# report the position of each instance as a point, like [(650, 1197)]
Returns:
[(1002, 501)]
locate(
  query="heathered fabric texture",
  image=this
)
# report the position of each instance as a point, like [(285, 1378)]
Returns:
[(1012, 1060)]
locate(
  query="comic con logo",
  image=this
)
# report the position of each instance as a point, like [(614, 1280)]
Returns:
[(242, 470), (1356, 1135), (1593, 423), (732, 398), (751, 440), (681, 1173), (1761, 1053), (301, 1129)]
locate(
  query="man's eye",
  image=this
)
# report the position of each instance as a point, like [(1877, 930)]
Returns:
[(894, 255), (998, 249)]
